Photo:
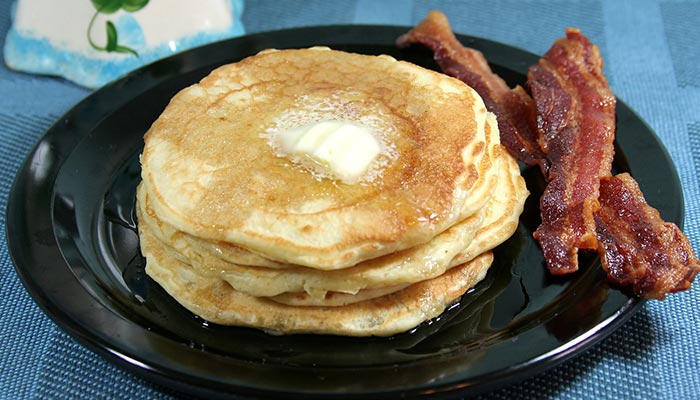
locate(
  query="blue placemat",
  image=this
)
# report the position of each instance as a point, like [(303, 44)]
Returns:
[(652, 57)]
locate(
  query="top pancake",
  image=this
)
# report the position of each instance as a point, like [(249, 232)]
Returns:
[(212, 172)]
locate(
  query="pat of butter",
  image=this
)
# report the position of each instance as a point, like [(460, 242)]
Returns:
[(340, 148)]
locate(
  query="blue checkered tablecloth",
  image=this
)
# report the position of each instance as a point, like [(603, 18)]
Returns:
[(653, 64)]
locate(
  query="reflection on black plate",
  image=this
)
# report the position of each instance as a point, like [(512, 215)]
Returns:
[(72, 235)]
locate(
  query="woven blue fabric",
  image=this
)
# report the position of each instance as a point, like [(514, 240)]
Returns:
[(652, 56)]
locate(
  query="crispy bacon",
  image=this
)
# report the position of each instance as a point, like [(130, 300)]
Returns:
[(637, 248), (513, 108), (576, 119), (572, 142)]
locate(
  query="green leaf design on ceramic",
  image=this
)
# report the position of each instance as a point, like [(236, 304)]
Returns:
[(107, 6), (133, 5), (111, 37), (110, 7), (124, 49)]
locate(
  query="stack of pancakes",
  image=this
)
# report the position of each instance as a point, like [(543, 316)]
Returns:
[(242, 234)]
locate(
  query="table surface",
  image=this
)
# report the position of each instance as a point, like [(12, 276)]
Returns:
[(652, 56)]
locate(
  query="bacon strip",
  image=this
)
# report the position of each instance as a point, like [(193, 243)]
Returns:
[(574, 132), (636, 246), (513, 108), (576, 119)]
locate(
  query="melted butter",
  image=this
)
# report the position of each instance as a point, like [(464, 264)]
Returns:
[(341, 149)]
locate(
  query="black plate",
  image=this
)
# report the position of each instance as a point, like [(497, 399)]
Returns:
[(72, 235)]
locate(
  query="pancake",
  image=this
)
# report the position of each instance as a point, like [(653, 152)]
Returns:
[(318, 191), (411, 265), (216, 301), (210, 251), (211, 168), (300, 285)]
